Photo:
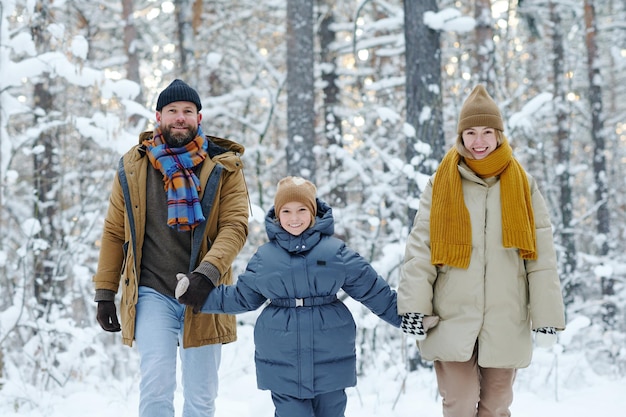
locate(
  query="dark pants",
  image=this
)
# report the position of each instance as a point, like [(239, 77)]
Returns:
[(330, 404)]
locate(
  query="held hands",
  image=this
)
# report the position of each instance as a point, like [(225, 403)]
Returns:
[(181, 286), (193, 290), (417, 325), (545, 337), (107, 316)]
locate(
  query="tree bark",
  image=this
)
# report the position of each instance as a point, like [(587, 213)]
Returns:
[(423, 91), (485, 47), (599, 158), (332, 120), (563, 149), (130, 47), (46, 179), (300, 89)]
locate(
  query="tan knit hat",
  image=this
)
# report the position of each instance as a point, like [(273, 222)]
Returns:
[(479, 109), (295, 189)]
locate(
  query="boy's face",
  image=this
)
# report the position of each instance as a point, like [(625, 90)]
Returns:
[(294, 217)]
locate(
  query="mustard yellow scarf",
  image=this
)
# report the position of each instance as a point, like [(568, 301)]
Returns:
[(450, 227)]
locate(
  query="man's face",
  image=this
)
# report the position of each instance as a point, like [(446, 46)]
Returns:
[(179, 123)]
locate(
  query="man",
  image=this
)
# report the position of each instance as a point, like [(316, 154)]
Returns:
[(157, 221)]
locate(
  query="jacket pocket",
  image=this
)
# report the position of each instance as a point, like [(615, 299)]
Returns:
[(441, 290), (127, 295), (523, 291), (123, 271)]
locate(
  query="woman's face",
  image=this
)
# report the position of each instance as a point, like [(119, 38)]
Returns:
[(480, 141), (294, 217)]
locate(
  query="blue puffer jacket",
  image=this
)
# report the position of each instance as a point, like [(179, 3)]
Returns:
[(308, 350)]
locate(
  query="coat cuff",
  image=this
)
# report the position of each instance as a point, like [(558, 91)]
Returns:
[(210, 271), (104, 295)]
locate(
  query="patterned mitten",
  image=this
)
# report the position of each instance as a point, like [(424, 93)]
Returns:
[(413, 325), (545, 337)]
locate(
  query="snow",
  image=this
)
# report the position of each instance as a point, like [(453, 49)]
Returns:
[(22, 43), (524, 120), (256, 213), (31, 227), (559, 382), (388, 114), (449, 20), (79, 47)]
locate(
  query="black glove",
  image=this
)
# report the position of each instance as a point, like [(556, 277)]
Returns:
[(107, 316), (200, 286)]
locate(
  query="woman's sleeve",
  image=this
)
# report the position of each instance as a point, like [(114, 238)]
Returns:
[(544, 286), (417, 274)]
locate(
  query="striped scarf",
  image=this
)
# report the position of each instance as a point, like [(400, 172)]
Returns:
[(450, 226), (184, 211)]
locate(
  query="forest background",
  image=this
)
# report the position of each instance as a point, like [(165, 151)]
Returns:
[(360, 96)]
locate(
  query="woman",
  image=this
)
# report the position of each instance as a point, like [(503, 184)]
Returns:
[(480, 268)]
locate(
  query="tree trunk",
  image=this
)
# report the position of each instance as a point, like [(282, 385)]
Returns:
[(186, 19), (332, 121), (563, 151), (46, 180), (485, 47), (300, 89), (423, 91), (599, 158), (132, 63)]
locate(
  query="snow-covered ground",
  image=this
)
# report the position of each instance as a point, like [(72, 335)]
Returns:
[(556, 384)]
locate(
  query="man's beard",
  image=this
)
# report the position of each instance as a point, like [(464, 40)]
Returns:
[(178, 140)]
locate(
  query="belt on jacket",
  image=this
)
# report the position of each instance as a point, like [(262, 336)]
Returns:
[(304, 302)]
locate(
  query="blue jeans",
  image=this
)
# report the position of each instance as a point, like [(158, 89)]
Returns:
[(158, 334)]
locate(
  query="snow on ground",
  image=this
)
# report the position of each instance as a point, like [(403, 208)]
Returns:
[(554, 385)]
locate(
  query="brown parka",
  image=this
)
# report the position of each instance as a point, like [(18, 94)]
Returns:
[(497, 300), (226, 232)]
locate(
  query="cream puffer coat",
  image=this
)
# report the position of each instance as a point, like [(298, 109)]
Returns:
[(118, 263), (498, 299)]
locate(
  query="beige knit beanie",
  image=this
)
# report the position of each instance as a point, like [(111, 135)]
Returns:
[(479, 109), (295, 189)]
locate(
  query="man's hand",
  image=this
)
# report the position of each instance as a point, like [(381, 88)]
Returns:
[(107, 316), (198, 288)]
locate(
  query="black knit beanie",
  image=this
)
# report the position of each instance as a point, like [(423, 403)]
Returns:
[(178, 91)]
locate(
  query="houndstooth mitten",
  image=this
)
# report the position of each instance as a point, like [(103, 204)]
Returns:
[(413, 325), (545, 337)]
